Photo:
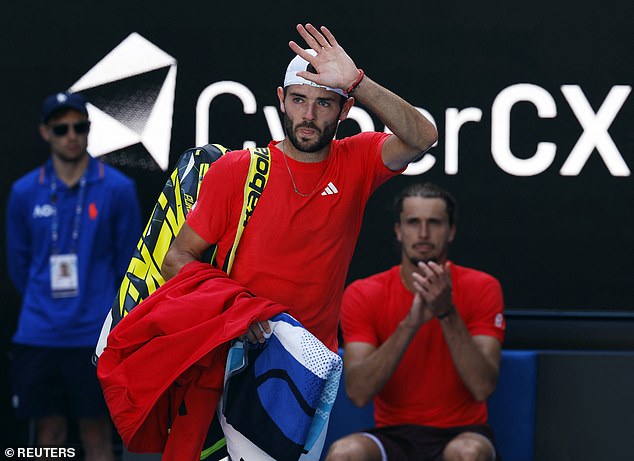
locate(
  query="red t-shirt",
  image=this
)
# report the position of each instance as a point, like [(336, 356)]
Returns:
[(425, 388), (295, 250)]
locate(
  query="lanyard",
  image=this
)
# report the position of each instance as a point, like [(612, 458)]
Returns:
[(55, 217)]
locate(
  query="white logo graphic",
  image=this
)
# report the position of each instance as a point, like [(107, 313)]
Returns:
[(131, 102), (330, 189), (499, 320), (43, 211)]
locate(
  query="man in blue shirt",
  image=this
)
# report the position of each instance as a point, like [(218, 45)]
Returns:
[(72, 225)]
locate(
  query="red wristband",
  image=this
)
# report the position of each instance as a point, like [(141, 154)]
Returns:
[(354, 86)]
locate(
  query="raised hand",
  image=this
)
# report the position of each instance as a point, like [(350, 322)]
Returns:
[(334, 67)]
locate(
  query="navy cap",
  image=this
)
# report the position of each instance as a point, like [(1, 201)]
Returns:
[(64, 100)]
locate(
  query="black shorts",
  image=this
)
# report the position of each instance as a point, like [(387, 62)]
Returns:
[(54, 381), (409, 442)]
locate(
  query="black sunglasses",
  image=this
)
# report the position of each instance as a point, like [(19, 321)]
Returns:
[(79, 127)]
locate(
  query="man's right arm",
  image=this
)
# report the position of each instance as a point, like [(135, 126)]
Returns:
[(369, 368), (188, 246), (18, 240)]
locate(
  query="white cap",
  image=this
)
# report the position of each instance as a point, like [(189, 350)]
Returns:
[(299, 64)]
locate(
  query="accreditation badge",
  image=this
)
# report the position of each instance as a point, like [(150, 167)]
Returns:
[(64, 279)]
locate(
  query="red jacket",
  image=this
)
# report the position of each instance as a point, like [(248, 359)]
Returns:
[(164, 362)]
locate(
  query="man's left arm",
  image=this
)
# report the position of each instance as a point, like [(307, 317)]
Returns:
[(476, 358), (412, 135)]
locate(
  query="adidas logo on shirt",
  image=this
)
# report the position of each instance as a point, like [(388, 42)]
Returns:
[(330, 189)]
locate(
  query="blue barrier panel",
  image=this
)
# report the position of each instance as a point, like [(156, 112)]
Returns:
[(345, 417), (512, 406)]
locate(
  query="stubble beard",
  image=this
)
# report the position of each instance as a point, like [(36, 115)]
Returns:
[(326, 136)]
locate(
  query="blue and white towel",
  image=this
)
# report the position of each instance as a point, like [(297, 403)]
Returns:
[(278, 396)]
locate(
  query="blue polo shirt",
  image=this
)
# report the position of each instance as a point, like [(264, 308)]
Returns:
[(109, 228)]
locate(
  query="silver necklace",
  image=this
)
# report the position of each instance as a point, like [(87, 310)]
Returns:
[(301, 194)]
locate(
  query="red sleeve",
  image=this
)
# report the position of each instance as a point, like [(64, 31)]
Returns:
[(357, 314), (383, 173), (370, 145), (489, 307), (220, 195)]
